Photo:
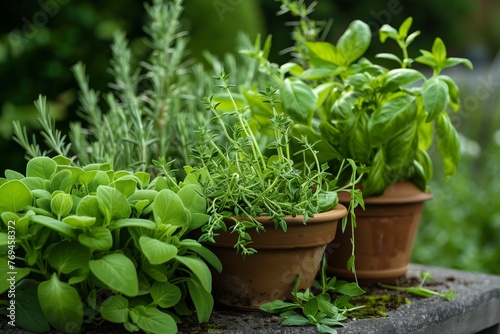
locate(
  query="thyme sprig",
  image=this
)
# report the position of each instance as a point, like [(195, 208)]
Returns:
[(246, 179)]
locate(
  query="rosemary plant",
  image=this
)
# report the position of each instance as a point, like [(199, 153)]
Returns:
[(152, 107), (240, 180)]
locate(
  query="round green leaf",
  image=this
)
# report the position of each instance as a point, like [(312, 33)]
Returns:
[(118, 272), (153, 320), (156, 251), (29, 315), (98, 238), (115, 309), (79, 221), (168, 208), (61, 305), (42, 167), (165, 294), (61, 204), (88, 207), (112, 203), (14, 196), (61, 180), (68, 256), (191, 196)]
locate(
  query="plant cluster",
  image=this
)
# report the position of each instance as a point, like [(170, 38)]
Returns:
[(92, 243), (318, 309), (241, 183), (385, 119)]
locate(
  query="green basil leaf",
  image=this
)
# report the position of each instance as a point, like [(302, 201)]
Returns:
[(325, 52), (354, 42), (13, 175), (61, 204), (435, 96), (168, 208), (376, 182), (448, 144), (55, 225), (392, 118), (29, 315), (400, 77), (298, 100)]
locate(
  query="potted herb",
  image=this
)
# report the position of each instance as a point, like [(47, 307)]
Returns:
[(383, 117), (269, 220), (87, 244)]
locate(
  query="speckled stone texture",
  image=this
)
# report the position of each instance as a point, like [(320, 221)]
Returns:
[(475, 310)]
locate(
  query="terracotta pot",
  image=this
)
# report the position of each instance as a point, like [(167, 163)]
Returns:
[(384, 235), (248, 282)]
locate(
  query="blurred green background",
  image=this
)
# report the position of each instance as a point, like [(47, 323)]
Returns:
[(41, 40)]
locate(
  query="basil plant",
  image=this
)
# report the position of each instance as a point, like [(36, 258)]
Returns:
[(357, 108)]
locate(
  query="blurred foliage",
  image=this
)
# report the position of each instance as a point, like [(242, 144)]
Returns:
[(460, 227)]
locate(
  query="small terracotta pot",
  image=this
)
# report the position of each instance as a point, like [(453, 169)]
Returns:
[(248, 282), (384, 235)]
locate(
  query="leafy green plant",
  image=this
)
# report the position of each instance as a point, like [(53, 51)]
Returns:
[(93, 244), (385, 119), (420, 290), (320, 310), (239, 180)]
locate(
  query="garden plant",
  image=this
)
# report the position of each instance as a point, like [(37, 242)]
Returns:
[(103, 231), (91, 243)]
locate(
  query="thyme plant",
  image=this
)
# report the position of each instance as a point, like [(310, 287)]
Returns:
[(242, 181)]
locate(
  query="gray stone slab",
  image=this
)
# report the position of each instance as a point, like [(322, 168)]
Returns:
[(476, 309)]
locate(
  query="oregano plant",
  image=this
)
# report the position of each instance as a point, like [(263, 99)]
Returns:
[(94, 244)]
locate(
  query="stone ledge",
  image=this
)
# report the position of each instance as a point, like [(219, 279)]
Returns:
[(475, 310)]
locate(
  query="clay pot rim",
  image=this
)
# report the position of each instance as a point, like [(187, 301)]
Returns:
[(401, 192), (338, 212)]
